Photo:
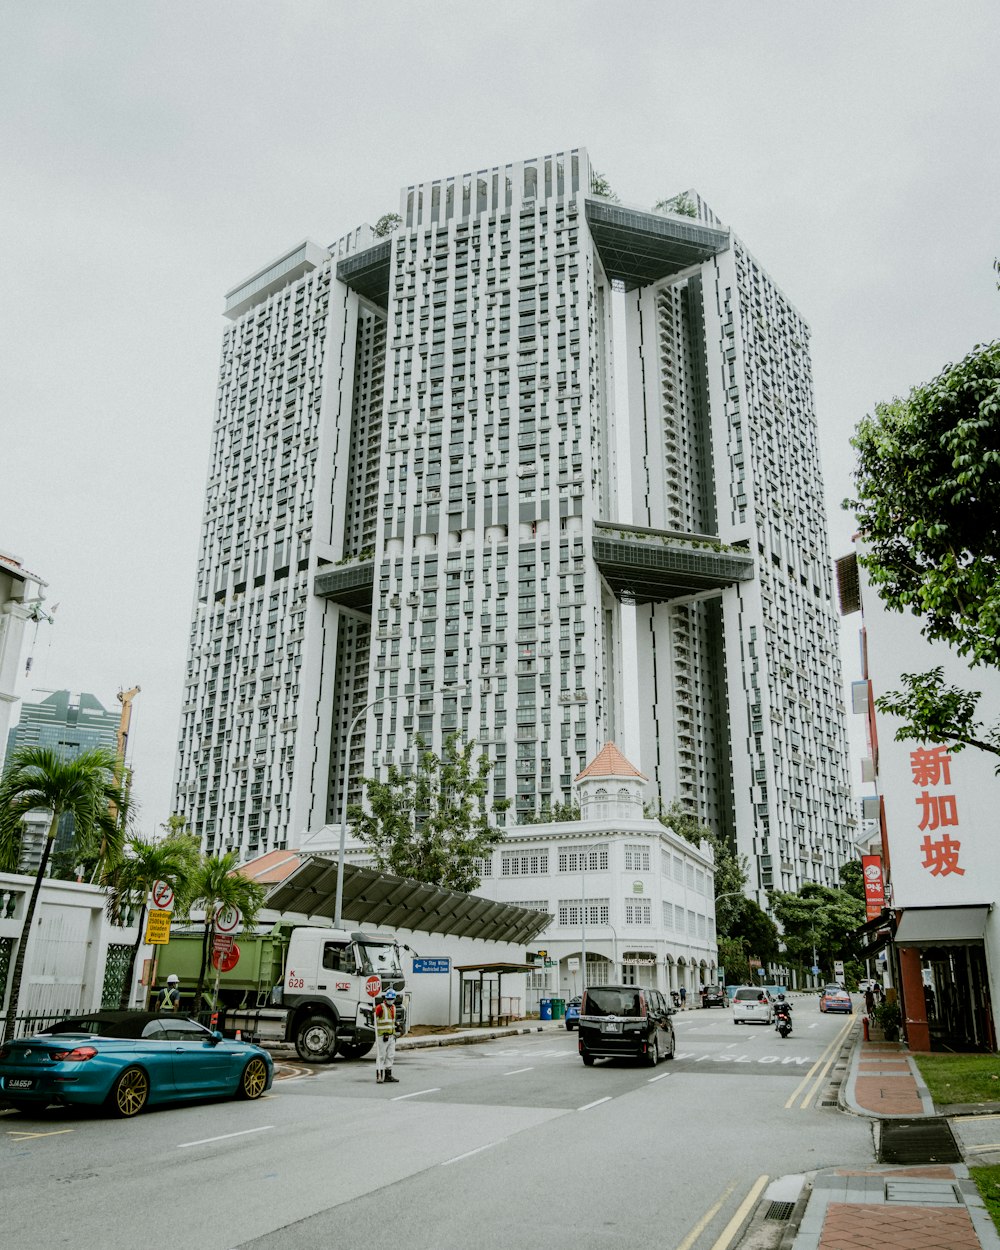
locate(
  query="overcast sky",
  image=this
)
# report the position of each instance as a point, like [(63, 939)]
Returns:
[(154, 154)]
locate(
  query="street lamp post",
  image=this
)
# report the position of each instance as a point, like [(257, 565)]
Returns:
[(339, 905)]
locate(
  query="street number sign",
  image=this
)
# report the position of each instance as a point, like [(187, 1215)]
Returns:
[(163, 896), (373, 987), (158, 928), (228, 920), (227, 960)]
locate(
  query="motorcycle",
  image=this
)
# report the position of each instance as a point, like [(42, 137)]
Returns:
[(784, 1023)]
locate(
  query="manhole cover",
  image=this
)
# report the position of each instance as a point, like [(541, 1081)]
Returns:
[(918, 1141)]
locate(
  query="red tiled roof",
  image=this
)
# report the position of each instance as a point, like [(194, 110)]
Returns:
[(610, 763), (271, 868)]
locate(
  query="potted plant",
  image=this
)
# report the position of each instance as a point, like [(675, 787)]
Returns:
[(888, 1018)]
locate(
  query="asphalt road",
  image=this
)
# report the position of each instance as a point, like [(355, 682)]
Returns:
[(511, 1142)]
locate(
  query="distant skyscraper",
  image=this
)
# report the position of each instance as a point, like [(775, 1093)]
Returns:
[(67, 724), (555, 451)]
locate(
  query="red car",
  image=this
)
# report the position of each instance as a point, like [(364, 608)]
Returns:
[(834, 998)]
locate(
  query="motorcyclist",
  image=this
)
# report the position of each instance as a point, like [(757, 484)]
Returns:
[(783, 1009)]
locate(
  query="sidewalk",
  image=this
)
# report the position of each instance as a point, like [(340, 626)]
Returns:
[(930, 1206)]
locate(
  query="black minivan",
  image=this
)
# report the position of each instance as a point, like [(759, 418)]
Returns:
[(625, 1020)]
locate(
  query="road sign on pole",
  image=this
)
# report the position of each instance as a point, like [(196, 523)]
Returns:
[(225, 960), (158, 928), (373, 987), (163, 896), (228, 920)]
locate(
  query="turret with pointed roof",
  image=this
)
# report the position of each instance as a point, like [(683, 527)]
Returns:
[(610, 786)]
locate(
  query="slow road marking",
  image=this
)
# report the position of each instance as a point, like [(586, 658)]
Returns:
[(224, 1136)]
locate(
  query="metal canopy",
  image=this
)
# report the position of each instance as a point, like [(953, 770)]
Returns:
[(639, 248), (941, 926), (375, 898)]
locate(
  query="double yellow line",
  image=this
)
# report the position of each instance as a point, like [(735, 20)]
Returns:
[(819, 1070)]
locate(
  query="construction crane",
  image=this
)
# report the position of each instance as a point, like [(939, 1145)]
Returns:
[(125, 698)]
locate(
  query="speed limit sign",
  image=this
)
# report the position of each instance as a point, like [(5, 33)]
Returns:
[(228, 920)]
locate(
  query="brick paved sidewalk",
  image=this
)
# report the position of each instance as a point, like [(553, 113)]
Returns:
[(935, 1207)]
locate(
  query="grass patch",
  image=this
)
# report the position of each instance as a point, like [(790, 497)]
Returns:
[(988, 1183), (961, 1078)]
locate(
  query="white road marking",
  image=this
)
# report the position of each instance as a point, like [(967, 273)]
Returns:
[(658, 1078), (468, 1154), (242, 1133), (517, 1070), (814, 1024), (402, 1097), (596, 1103)]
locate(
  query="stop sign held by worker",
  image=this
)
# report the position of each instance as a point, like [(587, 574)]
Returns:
[(373, 987)]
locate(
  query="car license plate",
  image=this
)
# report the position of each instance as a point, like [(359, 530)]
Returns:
[(19, 1082), (611, 1026)]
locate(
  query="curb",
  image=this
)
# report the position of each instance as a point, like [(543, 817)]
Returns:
[(286, 1050)]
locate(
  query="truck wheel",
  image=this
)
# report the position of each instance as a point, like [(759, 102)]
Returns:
[(316, 1039), (354, 1050)]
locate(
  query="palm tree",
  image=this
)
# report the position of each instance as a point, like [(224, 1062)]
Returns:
[(130, 879), (87, 787), (215, 884)]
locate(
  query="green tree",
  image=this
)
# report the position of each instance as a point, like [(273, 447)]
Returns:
[(386, 224), (432, 824), (927, 501), (681, 203), (550, 813), (89, 788), (130, 879), (214, 884), (852, 879), (733, 957), (599, 185), (819, 917), (756, 928)]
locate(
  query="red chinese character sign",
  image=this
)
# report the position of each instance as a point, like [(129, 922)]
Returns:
[(871, 867), (941, 805)]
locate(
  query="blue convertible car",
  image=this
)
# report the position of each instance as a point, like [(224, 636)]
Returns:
[(127, 1061)]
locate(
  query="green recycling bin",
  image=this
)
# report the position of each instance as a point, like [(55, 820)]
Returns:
[(558, 1008)]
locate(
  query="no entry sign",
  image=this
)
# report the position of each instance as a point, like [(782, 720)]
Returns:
[(373, 987)]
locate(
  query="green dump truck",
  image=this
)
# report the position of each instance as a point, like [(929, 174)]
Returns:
[(325, 982)]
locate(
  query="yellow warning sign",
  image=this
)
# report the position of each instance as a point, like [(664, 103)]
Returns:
[(158, 927)]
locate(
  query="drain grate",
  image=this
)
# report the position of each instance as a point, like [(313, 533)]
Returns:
[(928, 1140), (779, 1211)]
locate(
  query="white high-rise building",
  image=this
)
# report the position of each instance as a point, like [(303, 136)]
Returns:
[(555, 451)]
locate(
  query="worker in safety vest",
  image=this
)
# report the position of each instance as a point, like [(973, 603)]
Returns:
[(385, 1038), (170, 997)]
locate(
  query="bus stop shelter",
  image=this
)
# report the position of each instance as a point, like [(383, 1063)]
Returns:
[(489, 974)]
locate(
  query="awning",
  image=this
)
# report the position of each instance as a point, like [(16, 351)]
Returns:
[(375, 898), (941, 926)]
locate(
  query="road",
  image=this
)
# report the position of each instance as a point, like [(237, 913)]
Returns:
[(511, 1142)]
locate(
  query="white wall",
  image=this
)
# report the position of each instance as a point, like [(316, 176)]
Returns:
[(70, 936)]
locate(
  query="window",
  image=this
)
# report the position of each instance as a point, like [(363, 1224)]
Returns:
[(638, 911), (637, 859), (483, 867), (575, 912), (526, 864), (583, 859), (338, 957)]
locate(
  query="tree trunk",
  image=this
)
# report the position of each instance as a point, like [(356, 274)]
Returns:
[(22, 944), (126, 993), (209, 928)]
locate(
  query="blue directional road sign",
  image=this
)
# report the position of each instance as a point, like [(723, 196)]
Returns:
[(442, 964)]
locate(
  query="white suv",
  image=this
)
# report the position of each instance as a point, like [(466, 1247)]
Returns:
[(752, 1004)]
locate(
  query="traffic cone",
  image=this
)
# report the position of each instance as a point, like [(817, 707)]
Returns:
[(239, 1035)]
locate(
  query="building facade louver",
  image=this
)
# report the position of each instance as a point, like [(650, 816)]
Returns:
[(535, 468)]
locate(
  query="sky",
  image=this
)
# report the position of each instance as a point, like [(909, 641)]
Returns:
[(153, 155)]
